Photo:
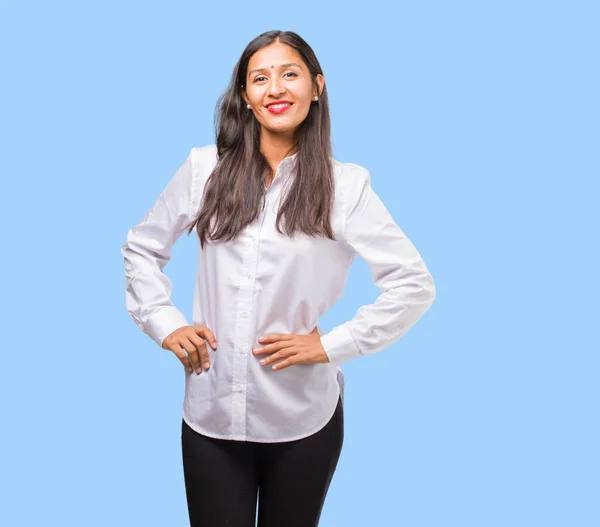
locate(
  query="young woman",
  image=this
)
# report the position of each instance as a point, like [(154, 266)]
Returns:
[(279, 223)]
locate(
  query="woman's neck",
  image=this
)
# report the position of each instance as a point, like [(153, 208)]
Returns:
[(276, 148)]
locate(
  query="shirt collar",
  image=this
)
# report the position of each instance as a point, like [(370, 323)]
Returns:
[(291, 159), (287, 164)]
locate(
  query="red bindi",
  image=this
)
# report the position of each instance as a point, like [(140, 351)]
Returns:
[(272, 66)]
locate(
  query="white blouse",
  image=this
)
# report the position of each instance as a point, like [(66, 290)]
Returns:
[(264, 282)]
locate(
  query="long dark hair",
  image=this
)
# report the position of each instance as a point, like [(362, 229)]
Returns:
[(234, 193)]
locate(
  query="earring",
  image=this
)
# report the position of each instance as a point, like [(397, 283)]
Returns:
[(248, 106), (316, 99)]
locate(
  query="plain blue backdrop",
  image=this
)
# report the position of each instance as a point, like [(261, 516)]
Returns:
[(479, 124)]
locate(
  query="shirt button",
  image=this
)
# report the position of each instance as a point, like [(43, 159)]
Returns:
[(244, 314)]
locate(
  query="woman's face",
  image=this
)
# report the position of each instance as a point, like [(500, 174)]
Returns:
[(277, 73)]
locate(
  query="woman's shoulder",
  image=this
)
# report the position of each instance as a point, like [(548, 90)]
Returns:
[(204, 158), (348, 170), (350, 178), (204, 152)]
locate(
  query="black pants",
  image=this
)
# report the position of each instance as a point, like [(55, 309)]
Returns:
[(224, 477)]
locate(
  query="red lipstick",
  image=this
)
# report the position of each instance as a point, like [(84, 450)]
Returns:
[(279, 109)]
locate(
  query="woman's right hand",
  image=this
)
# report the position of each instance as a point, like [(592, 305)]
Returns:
[(191, 339)]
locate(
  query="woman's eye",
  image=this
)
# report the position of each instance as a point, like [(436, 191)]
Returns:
[(263, 77)]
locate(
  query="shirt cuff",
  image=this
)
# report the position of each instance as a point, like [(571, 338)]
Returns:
[(339, 345), (164, 322)]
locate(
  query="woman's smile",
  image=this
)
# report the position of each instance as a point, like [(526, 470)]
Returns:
[(279, 108)]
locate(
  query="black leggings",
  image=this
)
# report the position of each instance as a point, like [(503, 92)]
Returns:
[(224, 477)]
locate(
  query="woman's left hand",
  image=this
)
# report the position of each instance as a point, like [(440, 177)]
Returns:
[(295, 349)]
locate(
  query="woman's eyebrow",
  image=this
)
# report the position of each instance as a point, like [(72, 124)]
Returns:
[(287, 65)]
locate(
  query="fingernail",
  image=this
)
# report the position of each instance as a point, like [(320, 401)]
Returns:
[(198, 371), (206, 365)]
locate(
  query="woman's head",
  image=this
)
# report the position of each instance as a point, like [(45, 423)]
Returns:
[(278, 72), (276, 65)]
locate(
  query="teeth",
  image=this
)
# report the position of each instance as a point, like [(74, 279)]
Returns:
[(278, 105)]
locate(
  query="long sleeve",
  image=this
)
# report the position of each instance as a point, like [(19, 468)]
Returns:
[(147, 250), (396, 267)]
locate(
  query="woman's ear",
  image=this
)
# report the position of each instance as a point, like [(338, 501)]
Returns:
[(321, 83)]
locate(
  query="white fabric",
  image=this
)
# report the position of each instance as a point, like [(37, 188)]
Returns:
[(264, 282)]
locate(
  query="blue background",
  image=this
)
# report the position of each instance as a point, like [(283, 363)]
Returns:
[(479, 123)]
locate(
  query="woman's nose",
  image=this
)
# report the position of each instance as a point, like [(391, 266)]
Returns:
[(275, 87)]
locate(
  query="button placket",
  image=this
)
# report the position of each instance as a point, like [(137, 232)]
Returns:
[(242, 332), (244, 321)]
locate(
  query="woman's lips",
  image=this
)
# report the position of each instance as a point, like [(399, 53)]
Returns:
[(279, 109)]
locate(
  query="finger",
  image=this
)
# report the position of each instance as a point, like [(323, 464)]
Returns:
[(200, 345), (285, 363), (193, 355), (270, 348), (275, 337), (181, 355), (263, 349), (281, 354), (206, 333)]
